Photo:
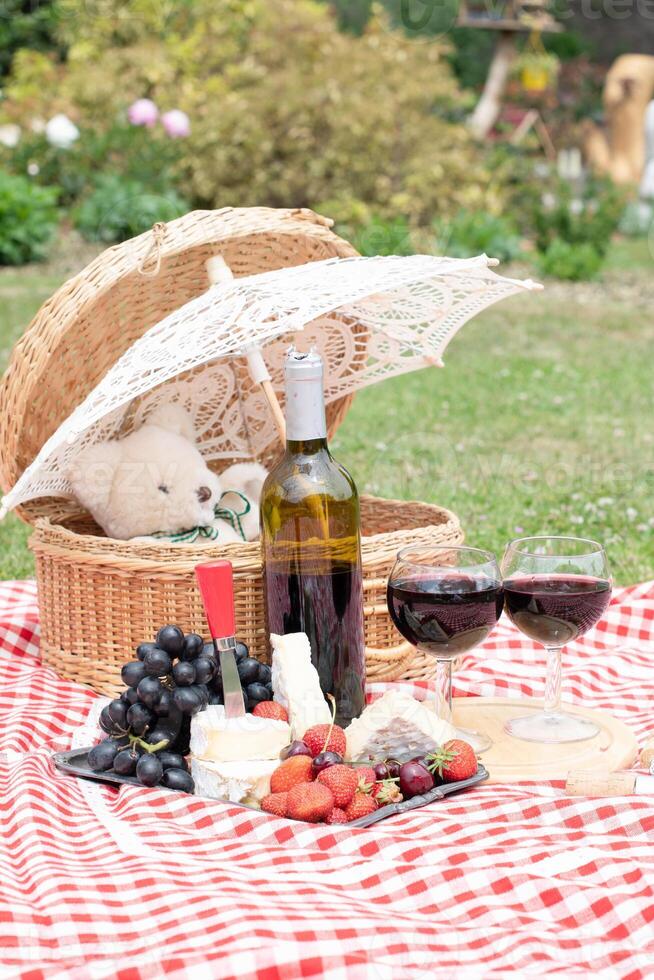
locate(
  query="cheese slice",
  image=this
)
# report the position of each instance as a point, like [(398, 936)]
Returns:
[(296, 684), (238, 782), (396, 726), (216, 738)]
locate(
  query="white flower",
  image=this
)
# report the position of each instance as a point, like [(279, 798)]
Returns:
[(631, 513), (10, 135), (33, 168), (61, 132), (37, 125)]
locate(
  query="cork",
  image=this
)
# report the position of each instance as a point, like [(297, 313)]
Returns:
[(586, 782)]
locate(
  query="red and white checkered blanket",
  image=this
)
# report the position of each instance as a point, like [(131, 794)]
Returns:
[(138, 883)]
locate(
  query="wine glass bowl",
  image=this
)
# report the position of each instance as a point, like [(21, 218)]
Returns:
[(555, 589), (445, 600)]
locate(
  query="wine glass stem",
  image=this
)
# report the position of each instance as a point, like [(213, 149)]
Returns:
[(553, 681), (444, 689)]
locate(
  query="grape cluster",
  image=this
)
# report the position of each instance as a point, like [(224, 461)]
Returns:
[(149, 725)]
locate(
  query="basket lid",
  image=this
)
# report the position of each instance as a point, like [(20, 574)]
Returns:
[(89, 323)]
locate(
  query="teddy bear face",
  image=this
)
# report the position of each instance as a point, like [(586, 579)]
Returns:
[(161, 484)]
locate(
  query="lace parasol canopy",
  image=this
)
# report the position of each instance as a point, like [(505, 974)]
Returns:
[(370, 318)]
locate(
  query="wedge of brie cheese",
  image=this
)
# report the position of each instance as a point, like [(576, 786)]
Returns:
[(396, 726), (238, 782), (216, 738), (296, 684)]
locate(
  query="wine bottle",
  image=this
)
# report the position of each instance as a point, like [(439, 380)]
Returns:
[(311, 543)]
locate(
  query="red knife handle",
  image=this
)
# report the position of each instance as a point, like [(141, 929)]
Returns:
[(216, 583)]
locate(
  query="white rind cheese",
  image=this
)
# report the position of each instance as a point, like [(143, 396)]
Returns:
[(296, 684), (396, 726), (237, 782), (219, 739)]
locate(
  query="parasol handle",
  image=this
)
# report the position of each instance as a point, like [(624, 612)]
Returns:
[(218, 271)]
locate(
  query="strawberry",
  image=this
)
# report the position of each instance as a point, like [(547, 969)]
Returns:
[(270, 709), (336, 816), (309, 801), (342, 781), (276, 803), (367, 778), (453, 761), (296, 769), (386, 791), (325, 738), (360, 806)]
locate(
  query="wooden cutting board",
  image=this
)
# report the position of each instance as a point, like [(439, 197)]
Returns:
[(512, 760)]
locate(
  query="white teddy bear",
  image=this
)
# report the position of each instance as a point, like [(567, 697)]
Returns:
[(155, 482)]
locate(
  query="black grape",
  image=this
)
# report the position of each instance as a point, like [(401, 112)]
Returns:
[(149, 691), (149, 770), (241, 651), (183, 743), (170, 639), (144, 648), (172, 760), (133, 673), (178, 779), (108, 725), (208, 651), (248, 670), (184, 673), (193, 646), (203, 693), (257, 692), (117, 711), (265, 674), (157, 662), (163, 734), (187, 700), (129, 696), (204, 670), (125, 762), (101, 757), (139, 717), (165, 707)]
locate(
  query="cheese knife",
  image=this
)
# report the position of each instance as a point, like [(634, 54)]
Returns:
[(216, 584)]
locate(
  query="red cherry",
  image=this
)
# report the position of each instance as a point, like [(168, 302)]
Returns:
[(415, 779), (297, 747), (326, 759)]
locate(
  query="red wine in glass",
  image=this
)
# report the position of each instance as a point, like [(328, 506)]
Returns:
[(555, 589), (445, 600), (445, 615), (555, 609)]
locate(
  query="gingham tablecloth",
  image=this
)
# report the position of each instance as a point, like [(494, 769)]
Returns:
[(138, 883)]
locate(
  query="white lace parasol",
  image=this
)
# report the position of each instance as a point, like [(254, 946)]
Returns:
[(370, 318)]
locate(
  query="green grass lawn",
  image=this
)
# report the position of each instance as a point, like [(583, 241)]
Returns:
[(540, 422)]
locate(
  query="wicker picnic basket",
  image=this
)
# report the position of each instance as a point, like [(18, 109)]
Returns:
[(100, 597)]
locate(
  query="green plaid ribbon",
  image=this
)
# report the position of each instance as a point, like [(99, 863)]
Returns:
[(210, 532)]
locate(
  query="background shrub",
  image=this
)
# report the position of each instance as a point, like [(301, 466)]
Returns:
[(590, 217), (28, 219), (565, 260), (473, 232), (117, 209)]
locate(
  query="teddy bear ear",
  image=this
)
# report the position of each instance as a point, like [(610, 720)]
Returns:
[(92, 475), (173, 418)]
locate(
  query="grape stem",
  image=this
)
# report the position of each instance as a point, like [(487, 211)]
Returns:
[(136, 740)]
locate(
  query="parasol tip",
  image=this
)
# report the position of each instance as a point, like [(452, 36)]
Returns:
[(218, 270)]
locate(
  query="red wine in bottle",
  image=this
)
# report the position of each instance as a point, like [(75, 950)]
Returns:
[(311, 543)]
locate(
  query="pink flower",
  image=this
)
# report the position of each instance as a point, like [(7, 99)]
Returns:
[(143, 112), (176, 123)]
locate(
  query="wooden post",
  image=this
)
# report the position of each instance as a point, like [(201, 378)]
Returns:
[(488, 108)]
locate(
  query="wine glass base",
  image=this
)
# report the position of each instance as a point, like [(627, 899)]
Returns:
[(479, 742), (551, 727)]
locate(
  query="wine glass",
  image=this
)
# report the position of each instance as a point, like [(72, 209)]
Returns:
[(555, 589), (445, 600)]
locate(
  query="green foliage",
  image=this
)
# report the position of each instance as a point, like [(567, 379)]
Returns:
[(588, 218), (352, 15), (118, 209), (28, 219), (383, 237), (282, 117), (473, 232), (637, 219), (26, 25), (565, 260), (135, 152)]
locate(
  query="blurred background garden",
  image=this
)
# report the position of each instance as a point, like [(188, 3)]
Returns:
[(385, 117)]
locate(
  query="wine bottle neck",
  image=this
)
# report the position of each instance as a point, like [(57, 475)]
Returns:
[(306, 447), (305, 409)]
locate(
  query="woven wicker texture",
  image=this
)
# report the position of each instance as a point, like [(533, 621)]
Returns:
[(370, 318), (99, 598)]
